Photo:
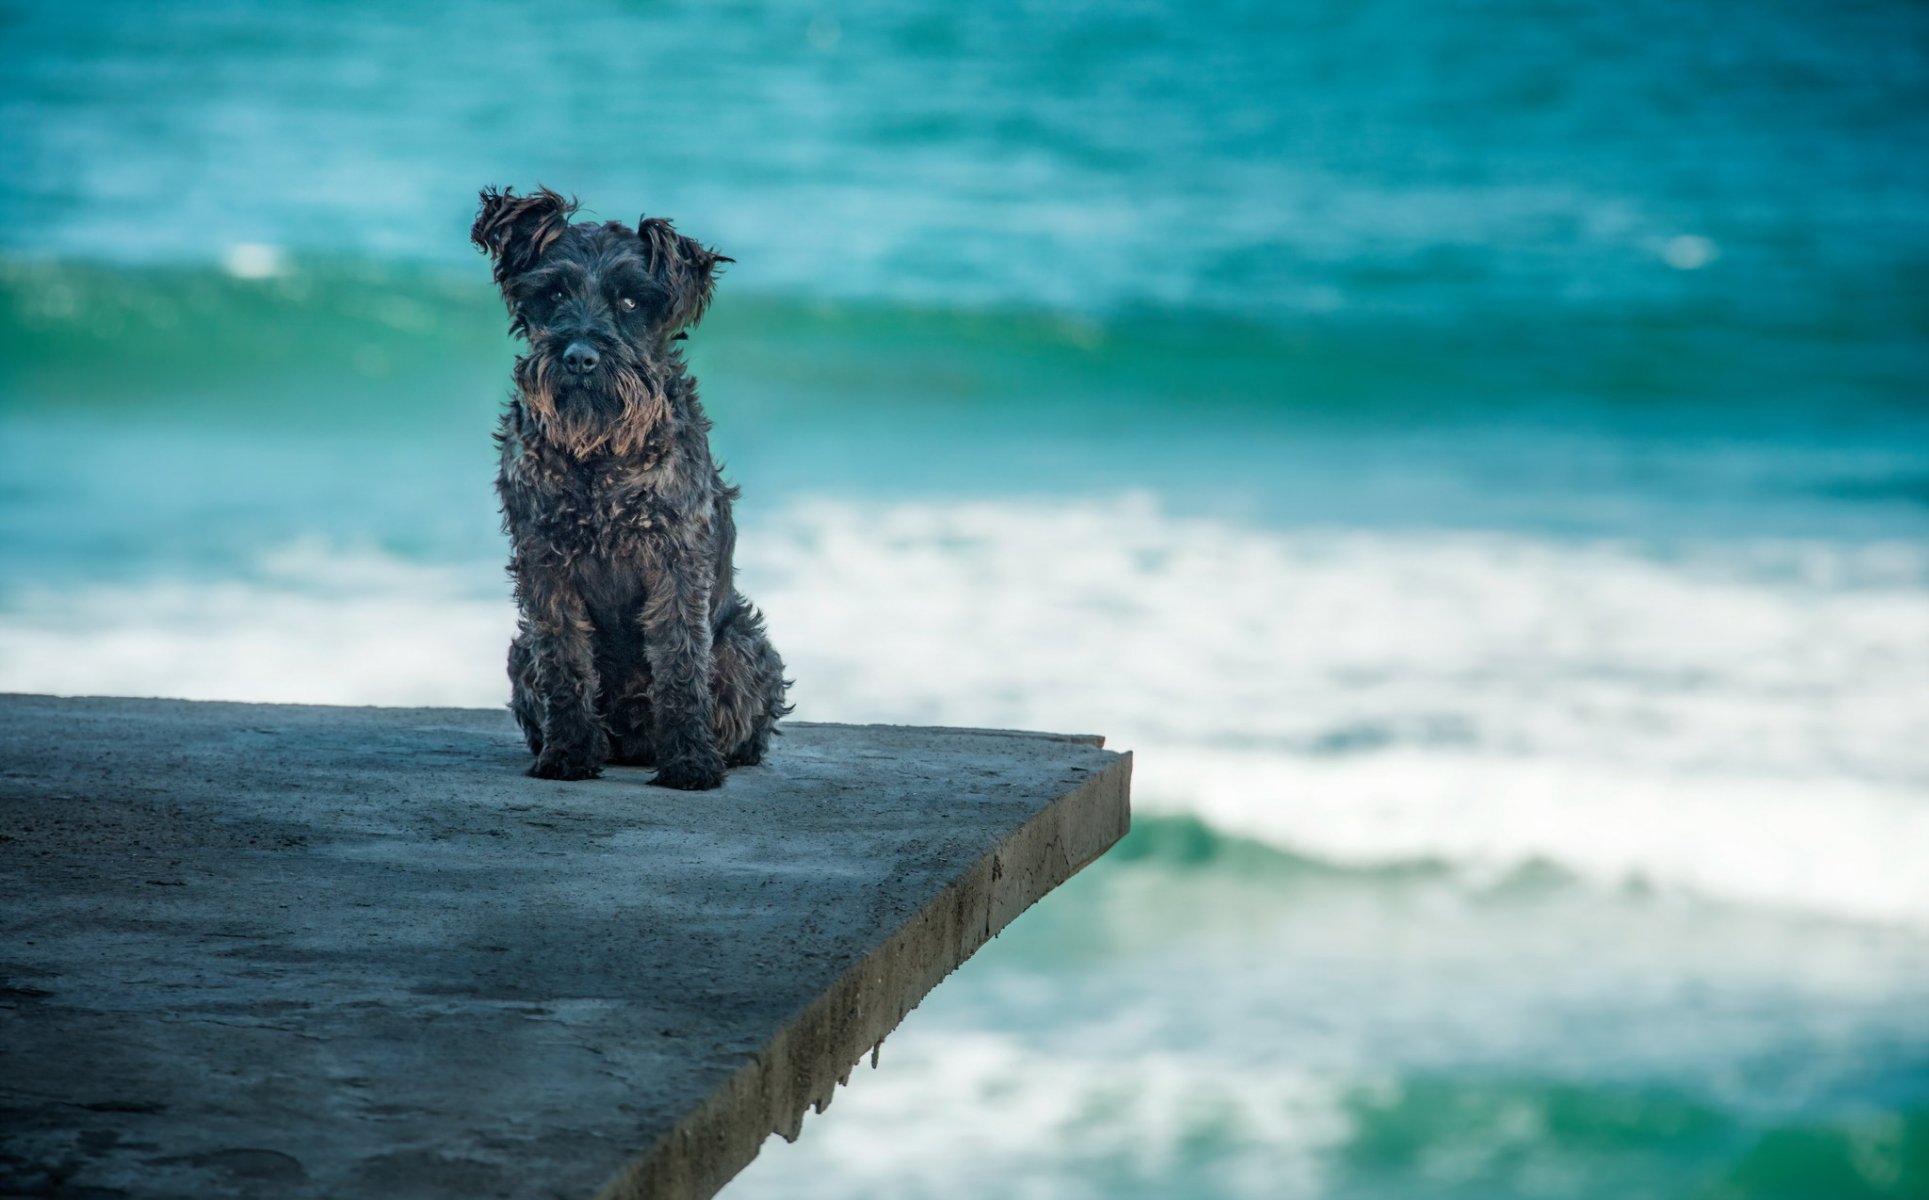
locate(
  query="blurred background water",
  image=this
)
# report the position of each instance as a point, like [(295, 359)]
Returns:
[(1476, 455)]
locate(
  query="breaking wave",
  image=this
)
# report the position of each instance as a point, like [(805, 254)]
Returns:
[(1738, 721)]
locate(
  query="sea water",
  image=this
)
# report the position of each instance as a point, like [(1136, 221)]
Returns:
[(1475, 456)]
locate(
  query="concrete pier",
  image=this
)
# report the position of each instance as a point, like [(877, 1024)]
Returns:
[(279, 951)]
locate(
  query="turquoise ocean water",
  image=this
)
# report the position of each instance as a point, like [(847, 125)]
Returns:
[(1476, 455)]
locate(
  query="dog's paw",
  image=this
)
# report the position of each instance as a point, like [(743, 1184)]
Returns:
[(565, 767), (690, 775)]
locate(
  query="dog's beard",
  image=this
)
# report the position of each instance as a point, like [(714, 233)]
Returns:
[(617, 409)]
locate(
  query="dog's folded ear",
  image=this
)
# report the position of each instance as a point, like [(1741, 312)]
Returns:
[(518, 230), (685, 265)]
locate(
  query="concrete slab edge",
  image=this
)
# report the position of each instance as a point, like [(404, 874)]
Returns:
[(803, 1064), (1096, 740)]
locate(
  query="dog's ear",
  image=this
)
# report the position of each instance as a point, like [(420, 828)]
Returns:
[(518, 230), (684, 264)]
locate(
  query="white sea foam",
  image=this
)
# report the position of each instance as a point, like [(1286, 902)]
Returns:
[(1038, 1122), (1741, 721), (313, 624)]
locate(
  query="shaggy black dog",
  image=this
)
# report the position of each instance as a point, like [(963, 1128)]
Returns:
[(634, 645)]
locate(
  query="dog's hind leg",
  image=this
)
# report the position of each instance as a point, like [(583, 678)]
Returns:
[(749, 686)]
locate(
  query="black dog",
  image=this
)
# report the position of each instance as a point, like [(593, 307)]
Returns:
[(634, 645)]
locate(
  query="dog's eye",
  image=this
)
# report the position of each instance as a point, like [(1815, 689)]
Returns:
[(557, 294), (628, 303)]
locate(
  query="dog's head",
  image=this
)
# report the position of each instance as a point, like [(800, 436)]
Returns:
[(601, 307)]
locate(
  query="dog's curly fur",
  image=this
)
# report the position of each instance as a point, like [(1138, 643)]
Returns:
[(633, 645)]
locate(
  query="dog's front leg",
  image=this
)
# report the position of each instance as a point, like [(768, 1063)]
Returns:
[(676, 639), (557, 633)]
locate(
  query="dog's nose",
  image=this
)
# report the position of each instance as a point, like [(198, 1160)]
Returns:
[(580, 358)]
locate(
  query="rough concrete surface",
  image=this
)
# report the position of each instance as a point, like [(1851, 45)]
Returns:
[(254, 950)]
